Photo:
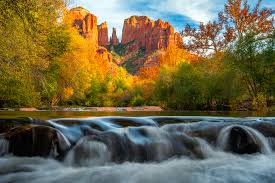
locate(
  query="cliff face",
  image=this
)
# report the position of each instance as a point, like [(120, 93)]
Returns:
[(88, 28), (103, 34), (87, 24), (114, 40), (150, 35), (141, 37)]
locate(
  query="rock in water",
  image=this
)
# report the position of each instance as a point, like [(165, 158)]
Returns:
[(243, 140), (37, 141)]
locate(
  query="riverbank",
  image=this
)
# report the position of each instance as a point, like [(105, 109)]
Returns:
[(88, 109)]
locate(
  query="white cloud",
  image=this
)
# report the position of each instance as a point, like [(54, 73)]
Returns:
[(196, 10)]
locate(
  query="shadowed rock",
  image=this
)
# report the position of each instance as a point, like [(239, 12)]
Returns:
[(37, 141)]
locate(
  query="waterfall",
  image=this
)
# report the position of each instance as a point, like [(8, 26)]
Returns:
[(4, 146), (88, 153), (205, 148), (247, 134)]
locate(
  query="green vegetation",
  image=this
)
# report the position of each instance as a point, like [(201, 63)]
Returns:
[(238, 75), (130, 66), (120, 51), (46, 62)]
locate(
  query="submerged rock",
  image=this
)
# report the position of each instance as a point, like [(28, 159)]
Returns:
[(135, 139), (243, 140), (33, 140)]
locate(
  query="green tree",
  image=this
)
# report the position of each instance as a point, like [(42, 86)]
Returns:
[(253, 57)]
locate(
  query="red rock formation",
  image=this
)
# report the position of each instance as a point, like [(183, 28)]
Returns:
[(103, 39), (87, 24), (178, 40), (96, 35), (114, 40), (151, 35), (103, 54)]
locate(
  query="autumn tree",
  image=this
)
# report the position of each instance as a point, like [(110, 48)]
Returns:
[(242, 18), (209, 37), (236, 20), (25, 27), (252, 54)]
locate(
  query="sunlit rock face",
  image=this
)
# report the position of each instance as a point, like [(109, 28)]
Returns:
[(151, 35), (103, 39), (87, 24), (114, 40), (103, 54), (97, 35)]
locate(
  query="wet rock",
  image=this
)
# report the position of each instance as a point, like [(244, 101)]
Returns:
[(241, 142), (33, 140)]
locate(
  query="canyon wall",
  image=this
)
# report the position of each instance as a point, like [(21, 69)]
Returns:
[(103, 38), (86, 23), (150, 35), (97, 35)]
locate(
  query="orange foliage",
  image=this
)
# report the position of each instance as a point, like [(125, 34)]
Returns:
[(171, 57), (240, 14), (174, 56), (236, 19), (150, 73), (209, 36)]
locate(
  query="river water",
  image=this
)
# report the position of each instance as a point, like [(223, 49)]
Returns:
[(79, 114), (153, 149)]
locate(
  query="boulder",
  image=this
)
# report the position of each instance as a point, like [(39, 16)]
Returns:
[(34, 140)]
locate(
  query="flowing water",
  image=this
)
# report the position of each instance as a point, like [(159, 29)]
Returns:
[(149, 149)]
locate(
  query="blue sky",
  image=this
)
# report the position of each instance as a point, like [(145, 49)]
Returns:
[(177, 12)]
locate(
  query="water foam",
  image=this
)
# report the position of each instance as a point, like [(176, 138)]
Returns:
[(224, 168), (88, 153), (4, 146)]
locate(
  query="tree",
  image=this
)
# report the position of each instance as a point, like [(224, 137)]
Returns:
[(236, 19), (242, 18), (254, 58), (209, 37), (24, 28)]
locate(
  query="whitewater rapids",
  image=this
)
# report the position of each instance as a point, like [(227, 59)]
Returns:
[(220, 168), (139, 150)]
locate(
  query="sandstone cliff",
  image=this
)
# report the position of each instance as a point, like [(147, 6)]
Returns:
[(103, 34), (150, 35), (114, 40), (143, 39), (88, 28), (87, 24)]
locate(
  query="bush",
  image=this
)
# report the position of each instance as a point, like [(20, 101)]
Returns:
[(138, 101)]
